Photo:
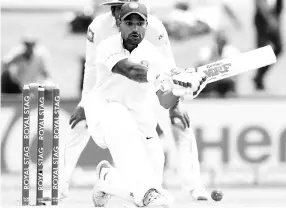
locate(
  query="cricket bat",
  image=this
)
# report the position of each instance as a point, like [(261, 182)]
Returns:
[(239, 64), (225, 68)]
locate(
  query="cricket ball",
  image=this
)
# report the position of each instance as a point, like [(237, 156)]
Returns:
[(216, 195)]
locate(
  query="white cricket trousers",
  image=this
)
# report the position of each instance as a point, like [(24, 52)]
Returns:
[(184, 153), (139, 161), (181, 145), (76, 142), (188, 160)]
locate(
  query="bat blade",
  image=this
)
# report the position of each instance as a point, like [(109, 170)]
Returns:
[(239, 64)]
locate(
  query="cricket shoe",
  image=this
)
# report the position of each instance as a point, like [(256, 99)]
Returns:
[(99, 197), (200, 194), (155, 197)]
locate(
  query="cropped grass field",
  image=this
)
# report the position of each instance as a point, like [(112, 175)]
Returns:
[(232, 198)]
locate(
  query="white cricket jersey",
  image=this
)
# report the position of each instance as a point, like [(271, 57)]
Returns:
[(139, 98), (102, 27)]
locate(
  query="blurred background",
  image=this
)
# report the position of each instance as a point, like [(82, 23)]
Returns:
[(240, 123)]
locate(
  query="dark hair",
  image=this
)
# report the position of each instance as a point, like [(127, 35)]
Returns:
[(112, 8)]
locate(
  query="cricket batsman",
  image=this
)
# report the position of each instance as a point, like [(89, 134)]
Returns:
[(133, 78), (104, 26)]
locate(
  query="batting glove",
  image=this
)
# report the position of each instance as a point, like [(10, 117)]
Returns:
[(188, 82)]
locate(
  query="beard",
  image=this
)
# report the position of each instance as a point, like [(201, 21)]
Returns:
[(134, 38)]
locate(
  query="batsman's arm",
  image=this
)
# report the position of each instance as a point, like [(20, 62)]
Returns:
[(109, 54), (133, 71), (139, 73), (117, 62)]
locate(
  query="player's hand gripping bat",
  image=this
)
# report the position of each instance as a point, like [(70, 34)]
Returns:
[(233, 66), (230, 67)]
